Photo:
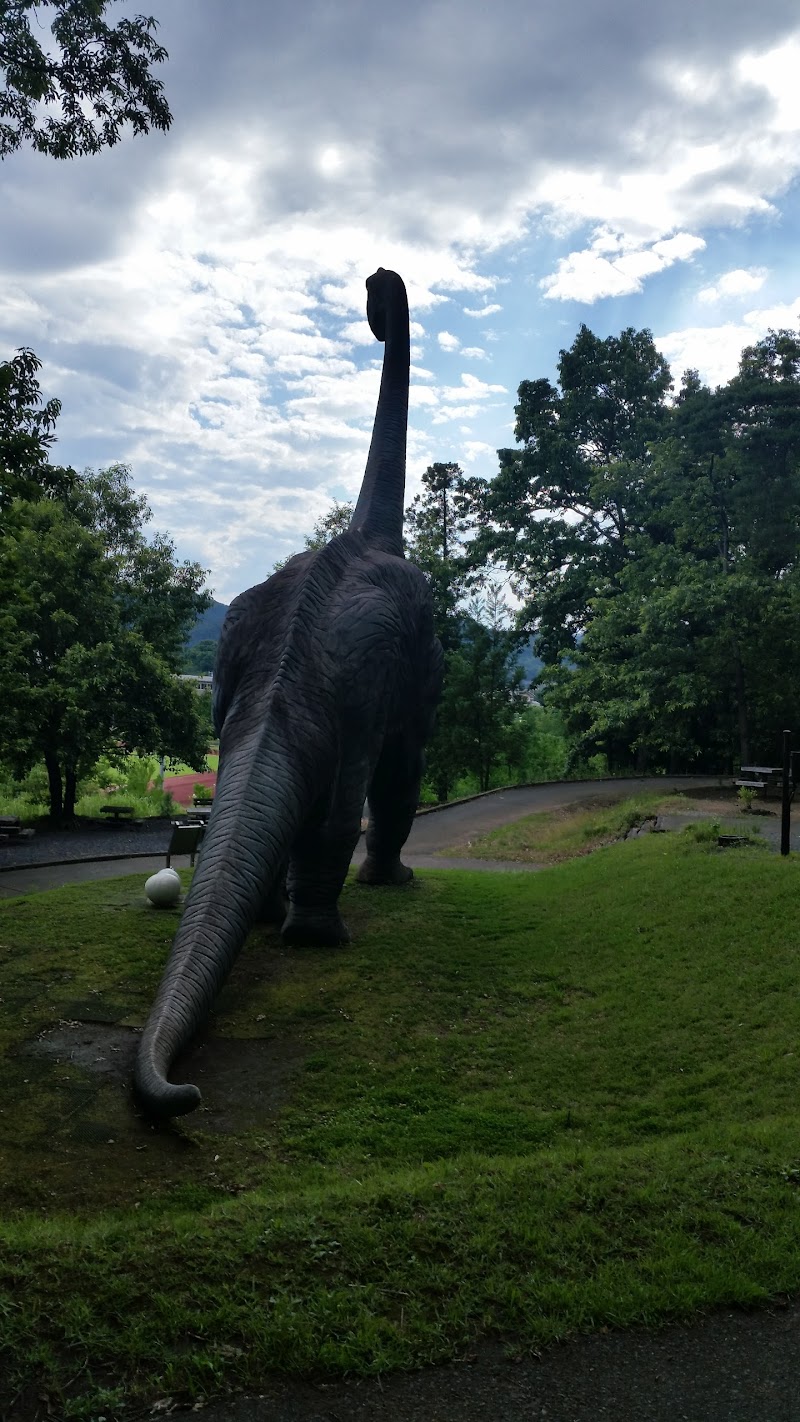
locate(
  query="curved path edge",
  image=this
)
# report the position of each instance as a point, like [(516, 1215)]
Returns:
[(446, 828), (731, 1365)]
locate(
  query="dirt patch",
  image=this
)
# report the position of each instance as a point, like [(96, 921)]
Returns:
[(97, 1048), (715, 803), (72, 1138), (244, 1083)]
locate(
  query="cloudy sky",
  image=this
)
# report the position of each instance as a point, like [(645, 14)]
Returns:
[(197, 298)]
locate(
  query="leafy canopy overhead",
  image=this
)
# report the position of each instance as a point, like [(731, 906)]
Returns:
[(73, 94)]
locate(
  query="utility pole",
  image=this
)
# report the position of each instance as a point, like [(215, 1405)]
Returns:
[(786, 797)]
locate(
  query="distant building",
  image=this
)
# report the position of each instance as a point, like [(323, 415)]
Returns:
[(200, 683)]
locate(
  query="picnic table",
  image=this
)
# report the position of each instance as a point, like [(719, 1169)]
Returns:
[(11, 829), (200, 814), (119, 812), (768, 778)]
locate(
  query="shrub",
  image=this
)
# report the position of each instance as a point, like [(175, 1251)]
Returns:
[(704, 832), (745, 796), (140, 770)]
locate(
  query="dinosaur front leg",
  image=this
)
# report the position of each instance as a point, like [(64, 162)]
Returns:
[(393, 800), (274, 904)]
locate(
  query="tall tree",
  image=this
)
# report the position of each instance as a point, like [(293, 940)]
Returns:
[(199, 659), (75, 95), (671, 604), (438, 523), (478, 719), (335, 521), (480, 697), (27, 432), (561, 510), (92, 628), (327, 526)]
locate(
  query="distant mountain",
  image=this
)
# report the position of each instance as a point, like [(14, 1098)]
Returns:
[(209, 625), (530, 663)]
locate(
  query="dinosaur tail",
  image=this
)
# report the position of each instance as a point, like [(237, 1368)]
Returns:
[(263, 796)]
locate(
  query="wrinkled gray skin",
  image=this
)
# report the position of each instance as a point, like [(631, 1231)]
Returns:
[(326, 684)]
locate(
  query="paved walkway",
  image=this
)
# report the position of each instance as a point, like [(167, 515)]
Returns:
[(732, 1366), (453, 825)]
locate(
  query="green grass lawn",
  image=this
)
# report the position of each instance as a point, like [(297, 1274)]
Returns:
[(522, 1105), (179, 767)]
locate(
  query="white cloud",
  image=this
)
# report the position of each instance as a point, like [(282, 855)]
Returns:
[(446, 414), (420, 395), (447, 341), (740, 282), (776, 71), (589, 275), (715, 350), (475, 450), (198, 297), (358, 332), (477, 389)]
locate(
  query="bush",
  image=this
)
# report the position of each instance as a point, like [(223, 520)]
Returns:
[(140, 770), (25, 796), (704, 832)]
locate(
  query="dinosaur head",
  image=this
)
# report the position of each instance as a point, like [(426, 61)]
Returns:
[(378, 292)]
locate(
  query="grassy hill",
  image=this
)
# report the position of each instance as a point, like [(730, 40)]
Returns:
[(518, 1104)]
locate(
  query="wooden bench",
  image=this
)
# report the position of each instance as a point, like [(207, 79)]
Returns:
[(119, 812), (185, 839)]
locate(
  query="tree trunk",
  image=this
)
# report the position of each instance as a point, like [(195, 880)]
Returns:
[(741, 706), (70, 789), (54, 784)]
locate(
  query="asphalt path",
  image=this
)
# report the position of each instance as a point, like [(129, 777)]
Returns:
[(449, 828), (730, 1366), (458, 824)]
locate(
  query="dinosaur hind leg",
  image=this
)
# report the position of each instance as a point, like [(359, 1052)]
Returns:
[(318, 867), (393, 800)]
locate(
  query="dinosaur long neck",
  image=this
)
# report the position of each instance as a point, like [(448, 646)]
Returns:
[(379, 511)]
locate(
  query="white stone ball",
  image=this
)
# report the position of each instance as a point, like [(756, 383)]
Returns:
[(164, 888)]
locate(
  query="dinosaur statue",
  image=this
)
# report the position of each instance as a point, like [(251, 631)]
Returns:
[(326, 685)]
